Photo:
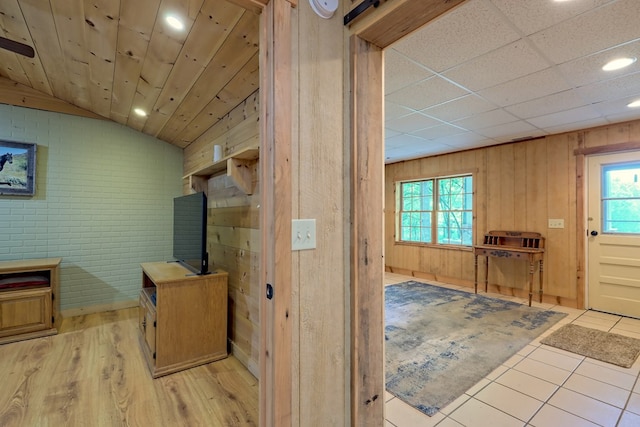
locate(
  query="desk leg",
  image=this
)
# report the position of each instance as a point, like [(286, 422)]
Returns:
[(531, 270), (475, 273), (540, 272), (486, 274)]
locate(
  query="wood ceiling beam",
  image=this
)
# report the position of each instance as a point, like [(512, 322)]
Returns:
[(390, 21), (13, 93)]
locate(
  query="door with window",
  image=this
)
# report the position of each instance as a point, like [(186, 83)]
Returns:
[(614, 233)]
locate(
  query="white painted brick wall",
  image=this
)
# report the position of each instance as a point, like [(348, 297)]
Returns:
[(104, 202)]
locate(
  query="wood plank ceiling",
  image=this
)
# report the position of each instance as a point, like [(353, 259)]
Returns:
[(112, 56)]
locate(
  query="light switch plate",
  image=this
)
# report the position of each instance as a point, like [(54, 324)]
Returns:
[(303, 234), (556, 223)]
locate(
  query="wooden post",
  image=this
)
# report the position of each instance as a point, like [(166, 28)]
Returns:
[(367, 231), (388, 23), (275, 215)]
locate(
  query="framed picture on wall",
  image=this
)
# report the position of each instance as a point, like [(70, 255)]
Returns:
[(17, 168)]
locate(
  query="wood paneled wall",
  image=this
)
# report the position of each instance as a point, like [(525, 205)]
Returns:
[(518, 186), (233, 235)]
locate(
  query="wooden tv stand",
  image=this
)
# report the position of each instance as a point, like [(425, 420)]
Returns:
[(187, 324), (30, 311)]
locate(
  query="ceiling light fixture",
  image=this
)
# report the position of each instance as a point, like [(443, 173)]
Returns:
[(174, 22), (140, 112), (634, 104), (619, 63)]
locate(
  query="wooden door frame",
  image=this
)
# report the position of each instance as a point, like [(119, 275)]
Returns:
[(370, 35)]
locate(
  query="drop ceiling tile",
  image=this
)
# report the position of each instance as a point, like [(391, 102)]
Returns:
[(531, 16), (617, 106), (439, 131), (587, 70), (389, 133), (458, 108), (611, 89), (601, 28), (465, 140), (410, 153), (393, 111), (462, 34), (549, 104), (509, 131), (507, 63), (570, 127), (411, 123), (427, 93), (570, 116), (622, 117), (403, 140), (532, 86), (399, 71), (490, 118)]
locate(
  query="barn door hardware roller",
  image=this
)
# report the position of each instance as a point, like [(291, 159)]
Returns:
[(355, 12)]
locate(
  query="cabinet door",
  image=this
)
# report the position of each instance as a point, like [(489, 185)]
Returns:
[(25, 311), (150, 329)]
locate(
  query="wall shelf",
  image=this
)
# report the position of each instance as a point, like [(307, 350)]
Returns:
[(238, 167)]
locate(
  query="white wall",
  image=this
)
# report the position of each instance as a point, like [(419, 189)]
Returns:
[(103, 202)]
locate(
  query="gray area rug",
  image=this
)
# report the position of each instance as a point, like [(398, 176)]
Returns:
[(440, 342), (604, 346)]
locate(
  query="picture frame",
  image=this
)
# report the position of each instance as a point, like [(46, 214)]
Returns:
[(17, 168)]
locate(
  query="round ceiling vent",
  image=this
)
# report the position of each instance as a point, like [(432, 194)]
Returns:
[(324, 8)]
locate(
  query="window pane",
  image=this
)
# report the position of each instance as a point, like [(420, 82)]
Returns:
[(453, 210), (621, 216), (621, 198), (621, 181)]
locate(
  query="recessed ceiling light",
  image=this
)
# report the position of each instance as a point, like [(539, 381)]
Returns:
[(140, 112), (616, 64), (634, 104), (174, 22)]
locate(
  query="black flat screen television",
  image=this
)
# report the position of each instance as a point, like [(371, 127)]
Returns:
[(190, 232)]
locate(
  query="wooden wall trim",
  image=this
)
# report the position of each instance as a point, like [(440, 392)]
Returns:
[(367, 231), (276, 371), (13, 93), (381, 27), (604, 149)]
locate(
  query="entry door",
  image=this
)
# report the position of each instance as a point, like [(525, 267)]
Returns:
[(614, 233)]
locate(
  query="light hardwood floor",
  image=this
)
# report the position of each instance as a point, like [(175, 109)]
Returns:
[(93, 374)]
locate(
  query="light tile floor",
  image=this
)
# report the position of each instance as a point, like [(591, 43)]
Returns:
[(541, 386)]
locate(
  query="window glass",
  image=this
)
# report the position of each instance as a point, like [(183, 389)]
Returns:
[(621, 198), (444, 216)]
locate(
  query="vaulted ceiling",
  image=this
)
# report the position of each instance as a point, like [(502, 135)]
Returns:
[(110, 57)]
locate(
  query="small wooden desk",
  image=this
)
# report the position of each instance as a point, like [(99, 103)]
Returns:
[(522, 245)]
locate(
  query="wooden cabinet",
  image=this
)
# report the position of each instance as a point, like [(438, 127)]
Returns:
[(29, 307), (182, 317)]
